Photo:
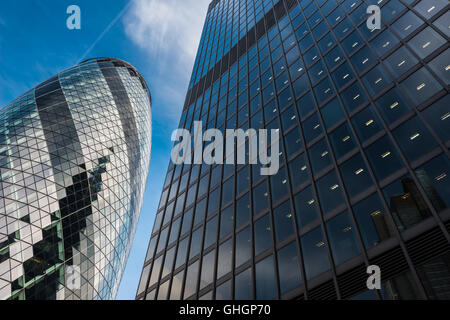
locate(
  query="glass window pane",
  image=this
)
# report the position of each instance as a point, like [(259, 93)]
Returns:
[(177, 283), (242, 210), (223, 291), (400, 62), (306, 207), (243, 246), (330, 192), (293, 142), (289, 267), (434, 177), (315, 255), (190, 286), (353, 97), (438, 117), (265, 279), (332, 113), (263, 234), (373, 221), (243, 289), (196, 242), (342, 140), (392, 105), (279, 185), (207, 275), (407, 24), (414, 139), (383, 158), (306, 104), (168, 262), (260, 198), (312, 128), (225, 258), (355, 175), (406, 204), (426, 42), (440, 65), (226, 221), (443, 23), (320, 156), (211, 232), (342, 237), (366, 124), (228, 191), (299, 171), (420, 86), (284, 224), (376, 80), (384, 42)]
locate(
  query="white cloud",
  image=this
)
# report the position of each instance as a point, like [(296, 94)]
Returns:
[(169, 30)]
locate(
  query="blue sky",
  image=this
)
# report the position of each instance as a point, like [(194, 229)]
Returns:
[(158, 37)]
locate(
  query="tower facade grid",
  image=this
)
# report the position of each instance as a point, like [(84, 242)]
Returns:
[(363, 116)]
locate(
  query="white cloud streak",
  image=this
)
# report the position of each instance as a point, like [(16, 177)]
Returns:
[(169, 30)]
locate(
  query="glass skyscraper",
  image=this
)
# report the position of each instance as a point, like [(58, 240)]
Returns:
[(74, 158), (364, 118)]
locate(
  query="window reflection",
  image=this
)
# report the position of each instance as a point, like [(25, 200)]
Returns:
[(190, 286), (243, 286), (342, 140), (355, 175), (401, 287), (420, 86), (312, 128), (265, 279), (426, 42), (263, 234), (207, 274), (320, 156), (306, 207), (223, 291), (383, 158), (406, 204), (299, 171), (392, 105), (330, 192), (435, 276), (289, 267), (414, 139), (434, 177), (284, 224), (314, 250), (400, 61), (407, 24), (342, 237), (243, 246), (225, 255), (373, 221), (438, 117)]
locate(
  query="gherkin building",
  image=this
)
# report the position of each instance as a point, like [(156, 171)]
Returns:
[(74, 159)]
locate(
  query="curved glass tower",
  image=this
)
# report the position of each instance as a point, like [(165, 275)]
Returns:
[(74, 159)]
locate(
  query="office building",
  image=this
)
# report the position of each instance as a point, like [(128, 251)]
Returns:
[(364, 119)]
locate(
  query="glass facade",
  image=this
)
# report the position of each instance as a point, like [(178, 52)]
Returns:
[(364, 178), (74, 158)]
